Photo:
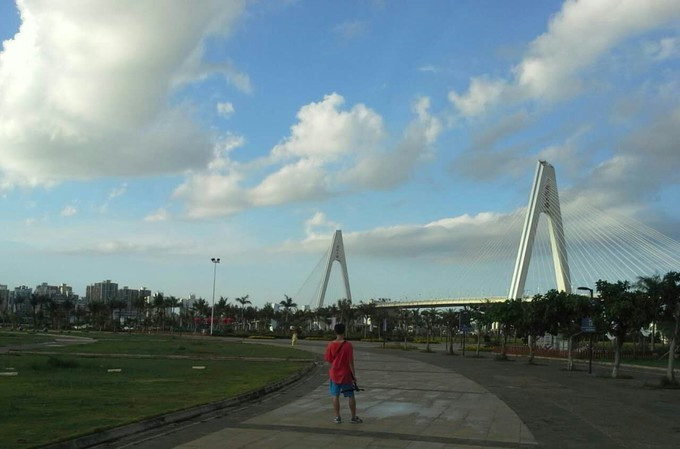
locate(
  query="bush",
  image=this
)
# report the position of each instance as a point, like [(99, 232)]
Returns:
[(262, 337), (424, 341)]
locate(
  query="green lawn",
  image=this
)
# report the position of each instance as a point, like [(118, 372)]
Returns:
[(21, 338), (59, 397), (139, 344)]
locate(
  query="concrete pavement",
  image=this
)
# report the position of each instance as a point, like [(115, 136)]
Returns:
[(406, 404)]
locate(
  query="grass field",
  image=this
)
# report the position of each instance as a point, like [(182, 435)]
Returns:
[(188, 345), (21, 338), (56, 397)]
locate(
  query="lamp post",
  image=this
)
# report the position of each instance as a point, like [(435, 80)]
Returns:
[(215, 261), (590, 348)]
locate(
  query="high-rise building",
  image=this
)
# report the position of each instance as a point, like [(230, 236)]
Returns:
[(102, 291), (4, 298), (131, 296), (47, 290), (21, 299)]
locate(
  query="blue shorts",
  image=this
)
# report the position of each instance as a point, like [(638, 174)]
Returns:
[(347, 390)]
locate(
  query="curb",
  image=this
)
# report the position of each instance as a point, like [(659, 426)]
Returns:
[(116, 433)]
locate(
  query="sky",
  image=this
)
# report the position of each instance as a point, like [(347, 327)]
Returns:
[(139, 139)]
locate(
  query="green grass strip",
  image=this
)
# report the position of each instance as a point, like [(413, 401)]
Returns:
[(61, 397), (22, 338), (144, 344)]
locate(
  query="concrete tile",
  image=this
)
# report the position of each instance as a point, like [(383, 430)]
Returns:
[(402, 397)]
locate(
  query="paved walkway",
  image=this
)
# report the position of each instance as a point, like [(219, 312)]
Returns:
[(406, 404)]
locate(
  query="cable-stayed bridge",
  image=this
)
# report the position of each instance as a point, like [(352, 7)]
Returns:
[(553, 246)]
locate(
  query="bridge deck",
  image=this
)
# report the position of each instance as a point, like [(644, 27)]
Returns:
[(443, 302)]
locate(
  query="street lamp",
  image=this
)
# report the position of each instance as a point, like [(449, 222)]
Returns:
[(590, 356), (215, 261)]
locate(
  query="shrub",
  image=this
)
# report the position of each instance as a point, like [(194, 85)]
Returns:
[(424, 341)]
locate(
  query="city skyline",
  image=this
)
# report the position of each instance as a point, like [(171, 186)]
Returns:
[(138, 140)]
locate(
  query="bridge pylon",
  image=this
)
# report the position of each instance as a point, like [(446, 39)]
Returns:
[(337, 254), (543, 199)]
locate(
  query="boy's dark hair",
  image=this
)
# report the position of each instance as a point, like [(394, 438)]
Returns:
[(340, 329)]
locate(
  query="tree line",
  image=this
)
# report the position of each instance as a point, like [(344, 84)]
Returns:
[(618, 310)]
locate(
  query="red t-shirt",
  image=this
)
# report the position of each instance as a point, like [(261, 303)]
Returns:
[(340, 355)]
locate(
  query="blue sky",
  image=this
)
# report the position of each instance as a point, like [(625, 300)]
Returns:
[(138, 139)]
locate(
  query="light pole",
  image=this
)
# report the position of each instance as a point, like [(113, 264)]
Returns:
[(215, 261), (590, 355)]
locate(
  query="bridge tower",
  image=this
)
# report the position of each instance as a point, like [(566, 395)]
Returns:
[(337, 254), (543, 199)]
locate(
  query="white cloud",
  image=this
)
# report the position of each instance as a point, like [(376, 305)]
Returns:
[(448, 239), (68, 211), (429, 68), (385, 169), (330, 151), (577, 37), (482, 94), (225, 109), (114, 193), (319, 225), (351, 29), (303, 180), (118, 191), (666, 48), (326, 132), (159, 215), (85, 87), (646, 161)]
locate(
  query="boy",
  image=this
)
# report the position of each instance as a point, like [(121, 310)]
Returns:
[(340, 354)]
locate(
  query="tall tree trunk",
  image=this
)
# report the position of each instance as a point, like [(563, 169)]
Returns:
[(531, 349), (479, 341), (617, 357), (670, 371), (570, 356), (504, 344)]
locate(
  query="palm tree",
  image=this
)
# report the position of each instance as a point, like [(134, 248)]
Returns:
[(53, 307), (201, 308), (172, 303), (222, 308), (265, 315), (450, 318), (366, 312), (431, 318), (243, 301), (96, 309), (139, 304), (68, 305), (347, 312), (36, 301), (159, 305), (117, 305), (287, 305)]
